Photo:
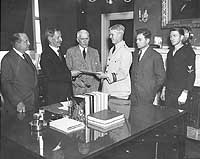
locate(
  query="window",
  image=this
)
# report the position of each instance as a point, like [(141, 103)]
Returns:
[(36, 27)]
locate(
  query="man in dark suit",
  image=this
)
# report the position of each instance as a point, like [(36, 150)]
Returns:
[(147, 72), (84, 58), (19, 77), (53, 65), (180, 72)]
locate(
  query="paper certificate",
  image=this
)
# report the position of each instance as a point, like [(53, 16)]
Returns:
[(89, 72)]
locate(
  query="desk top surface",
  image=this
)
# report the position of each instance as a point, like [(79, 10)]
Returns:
[(86, 142)]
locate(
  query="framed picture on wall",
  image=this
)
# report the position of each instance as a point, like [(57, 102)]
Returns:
[(180, 13)]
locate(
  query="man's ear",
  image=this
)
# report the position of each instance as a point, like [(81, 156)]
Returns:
[(77, 40), (49, 38), (182, 37)]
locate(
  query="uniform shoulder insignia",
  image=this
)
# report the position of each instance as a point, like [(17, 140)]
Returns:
[(190, 69)]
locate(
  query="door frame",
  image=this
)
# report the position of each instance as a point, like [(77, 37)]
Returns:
[(105, 23)]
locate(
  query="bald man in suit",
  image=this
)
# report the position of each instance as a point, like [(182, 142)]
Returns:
[(19, 77)]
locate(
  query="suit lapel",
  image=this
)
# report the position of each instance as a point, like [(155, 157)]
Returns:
[(145, 56), (30, 66), (89, 54), (79, 53), (53, 54), (116, 50), (30, 61)]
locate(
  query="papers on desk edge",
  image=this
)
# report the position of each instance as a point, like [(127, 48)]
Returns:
[(66, 125)]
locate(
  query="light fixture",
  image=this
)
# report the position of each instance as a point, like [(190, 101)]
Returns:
[(110, 1), (143, 15)]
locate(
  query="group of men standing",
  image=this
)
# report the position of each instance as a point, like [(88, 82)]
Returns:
[(136, 76)]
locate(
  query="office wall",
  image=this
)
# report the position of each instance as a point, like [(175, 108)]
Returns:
[(16, 16), (69, 16), (93, 17), (154, 22), (61, 14)]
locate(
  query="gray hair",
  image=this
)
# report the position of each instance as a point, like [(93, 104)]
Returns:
[(81, 32)]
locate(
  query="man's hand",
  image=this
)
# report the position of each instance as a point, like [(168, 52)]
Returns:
[(101, 75), (183, 97), (162, 95), (21, 107), (78, 83), (75, 73)]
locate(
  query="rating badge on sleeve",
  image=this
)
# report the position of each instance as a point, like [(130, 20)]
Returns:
[(190, 69)]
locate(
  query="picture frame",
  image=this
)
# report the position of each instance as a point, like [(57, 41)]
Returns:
[(173, 13), (158, 41)]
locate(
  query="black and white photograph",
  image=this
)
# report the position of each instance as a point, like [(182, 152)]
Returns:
[(100, 79)]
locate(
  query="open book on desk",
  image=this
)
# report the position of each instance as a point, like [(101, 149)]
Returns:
[(66, 125)]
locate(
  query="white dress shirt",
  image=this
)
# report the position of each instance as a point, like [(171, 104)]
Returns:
[(143, 51), (81, 48), (19, 53), (55, 49)]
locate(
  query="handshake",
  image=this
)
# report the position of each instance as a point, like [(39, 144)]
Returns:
[(99, 75)]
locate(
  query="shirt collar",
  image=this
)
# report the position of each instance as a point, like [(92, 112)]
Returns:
[(18, 52), (177, 48), (119, 44), (55, 49), (81, 48), (143, 51)]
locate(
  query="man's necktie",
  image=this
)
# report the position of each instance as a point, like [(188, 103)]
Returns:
[(26, 58), (60, 54), (84, 53), (113, 49), (139, 54)]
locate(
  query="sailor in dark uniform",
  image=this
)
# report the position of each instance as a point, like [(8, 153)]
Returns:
[(180, 71)]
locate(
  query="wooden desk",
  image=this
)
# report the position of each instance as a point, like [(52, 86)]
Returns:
[(159, 132), (194, 112)]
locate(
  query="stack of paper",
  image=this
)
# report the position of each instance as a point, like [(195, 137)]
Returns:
[(66, 125), (105, 120)]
